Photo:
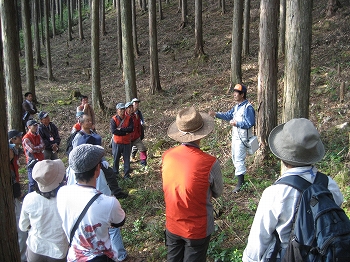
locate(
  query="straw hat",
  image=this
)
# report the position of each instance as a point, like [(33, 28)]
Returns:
[(297, 142), (190, 125)]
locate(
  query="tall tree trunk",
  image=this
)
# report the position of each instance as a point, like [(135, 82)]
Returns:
[(153, 48), (134, 31), (47, 34), (97, 101), (69, 17), (161, 17), (282, 28), (128, 56), (102, 17), (28, 46), (298, 59), (267, 80), (198, 29), (119, 35), (11, 65), (183, 13), (246, 23), (236, 53), (61, 14), (38, 59), (80, 21), (9, 249), (53, 18)]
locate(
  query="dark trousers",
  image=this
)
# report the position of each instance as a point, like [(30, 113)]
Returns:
[(102, 258), (119, 150), (186, 250)]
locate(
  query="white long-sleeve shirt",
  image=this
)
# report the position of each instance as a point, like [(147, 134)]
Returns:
[(275, 211)]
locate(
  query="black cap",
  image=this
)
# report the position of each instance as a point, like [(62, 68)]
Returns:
[(13, 133)]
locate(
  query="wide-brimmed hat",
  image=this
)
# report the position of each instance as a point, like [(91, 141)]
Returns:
[(297, 142), (48, 174), (190, 125)]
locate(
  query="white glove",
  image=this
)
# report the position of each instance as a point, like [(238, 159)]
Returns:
[(105, 164)]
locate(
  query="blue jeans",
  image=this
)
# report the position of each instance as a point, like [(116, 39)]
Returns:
[(117, 243), (118, 150), (32, 184)]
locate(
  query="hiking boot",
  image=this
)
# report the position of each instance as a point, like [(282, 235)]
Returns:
[(239, 184)]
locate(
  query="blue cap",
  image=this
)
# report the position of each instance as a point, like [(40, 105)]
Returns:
[(120, 106)]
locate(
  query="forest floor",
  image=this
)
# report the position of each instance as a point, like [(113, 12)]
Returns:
[(187, 81)]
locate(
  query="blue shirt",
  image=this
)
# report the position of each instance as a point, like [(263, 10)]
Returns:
[(248, 119)]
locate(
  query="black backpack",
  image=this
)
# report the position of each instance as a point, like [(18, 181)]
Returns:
[(321, 229), (69, 146)]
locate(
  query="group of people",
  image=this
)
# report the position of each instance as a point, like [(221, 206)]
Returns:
[(41, 217), (190, 179)]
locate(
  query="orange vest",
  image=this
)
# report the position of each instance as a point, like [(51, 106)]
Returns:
[(35, 140), (122, 139), (185, 173)]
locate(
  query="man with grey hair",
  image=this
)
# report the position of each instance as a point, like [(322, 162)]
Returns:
[(91, 241)]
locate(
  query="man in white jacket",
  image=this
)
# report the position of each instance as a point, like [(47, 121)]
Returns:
[(297, 143)]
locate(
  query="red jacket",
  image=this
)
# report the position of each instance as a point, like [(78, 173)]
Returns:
[(137, 127), (185, 173)]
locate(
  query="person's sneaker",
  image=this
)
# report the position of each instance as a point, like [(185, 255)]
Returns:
[(121, 195)]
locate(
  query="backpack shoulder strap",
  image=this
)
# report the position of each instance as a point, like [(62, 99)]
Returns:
[(321, 179), (294, 181)]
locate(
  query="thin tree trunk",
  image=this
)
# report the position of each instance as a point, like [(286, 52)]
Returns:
[(282, 28), (27, 35), (183, 13), (119, 36), (53, 18), (48, 49), (246, 23), (267, 80), (69, 17), (134, 31), (127, 47), (38, 59), (97, 101), (102, 17), (160, 10), (153, 48), (198, 29), (80, 21), (236, 54)]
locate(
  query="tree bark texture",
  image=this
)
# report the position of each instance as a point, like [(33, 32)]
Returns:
[(127, 48), (80, 21), (11, 64), (47, 41), (297, 59), (37, 49), (96, 97), (134, 31), (282, 28), (198, 29), (9, 249), (28, 47), (267, 80), (69, 17), (236, 52), (119, 35), (246, 23), (153, 48)]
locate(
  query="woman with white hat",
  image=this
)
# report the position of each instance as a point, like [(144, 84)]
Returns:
[(39, 216)]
